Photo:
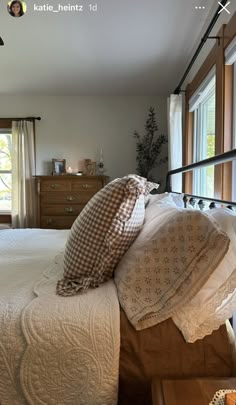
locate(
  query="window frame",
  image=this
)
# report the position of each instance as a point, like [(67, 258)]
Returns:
[(224, 112), (4, 131), (234, 133), (199, 185), (5, 218)]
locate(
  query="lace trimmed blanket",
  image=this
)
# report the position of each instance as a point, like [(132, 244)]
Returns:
[(53, 350), (219, 397), (173, 256), (216, 301)]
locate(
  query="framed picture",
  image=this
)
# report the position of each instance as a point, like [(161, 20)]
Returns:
[(58, 166)]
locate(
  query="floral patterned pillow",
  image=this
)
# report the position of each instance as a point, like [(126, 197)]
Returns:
[(173, 256)]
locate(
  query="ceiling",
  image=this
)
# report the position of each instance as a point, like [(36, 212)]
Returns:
[(126, 47)]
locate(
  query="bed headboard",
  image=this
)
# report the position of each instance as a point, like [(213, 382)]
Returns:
[(201, 201)]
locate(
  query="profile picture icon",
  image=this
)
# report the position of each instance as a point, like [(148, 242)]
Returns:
[(16, 8)]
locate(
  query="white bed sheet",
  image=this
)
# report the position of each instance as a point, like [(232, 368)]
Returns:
[(53, 350)]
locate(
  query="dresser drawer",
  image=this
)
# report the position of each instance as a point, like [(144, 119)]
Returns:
[(86, 185), (62, 209), (66, 197), (62, 198), (55, 185), (57, 222)]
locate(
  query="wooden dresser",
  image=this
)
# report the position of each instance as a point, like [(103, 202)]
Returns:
[(62, 198)]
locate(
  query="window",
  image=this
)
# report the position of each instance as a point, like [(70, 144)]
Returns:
[(234, 135), (210, 120), (5, 170), (230, 60), (202, 104)]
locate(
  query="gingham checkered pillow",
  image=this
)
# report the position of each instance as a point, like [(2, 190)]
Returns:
[(102, 233)]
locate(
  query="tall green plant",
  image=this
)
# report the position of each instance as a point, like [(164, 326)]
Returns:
[(149, 147)]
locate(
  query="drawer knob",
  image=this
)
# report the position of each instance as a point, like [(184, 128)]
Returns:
[(53, 186), (87, 186), (69, 209), (49, 221), (70, 197)]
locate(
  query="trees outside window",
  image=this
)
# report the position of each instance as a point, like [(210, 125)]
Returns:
[(204, 138), (5, 171)]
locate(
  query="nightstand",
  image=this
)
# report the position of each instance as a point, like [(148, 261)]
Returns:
[(198, 391)]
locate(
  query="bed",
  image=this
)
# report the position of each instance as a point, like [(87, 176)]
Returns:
[(161, 350), (38, 367), (52, 350), (82, 349)]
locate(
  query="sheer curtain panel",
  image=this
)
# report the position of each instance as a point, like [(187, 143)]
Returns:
[(175, 139), (23, 170)]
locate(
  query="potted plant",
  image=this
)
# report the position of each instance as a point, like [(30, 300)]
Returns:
[(149, 147)]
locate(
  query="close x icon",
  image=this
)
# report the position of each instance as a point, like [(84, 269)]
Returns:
[(224, 7)]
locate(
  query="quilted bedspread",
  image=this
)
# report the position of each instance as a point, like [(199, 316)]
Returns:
[(53, 350)]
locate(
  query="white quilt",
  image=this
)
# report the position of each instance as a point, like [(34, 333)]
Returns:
[(53, 350)]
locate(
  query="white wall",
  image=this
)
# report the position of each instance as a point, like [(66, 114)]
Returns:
[(75, 128)]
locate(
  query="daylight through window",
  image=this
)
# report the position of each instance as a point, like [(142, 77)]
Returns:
[(5, 170), (203, 106)]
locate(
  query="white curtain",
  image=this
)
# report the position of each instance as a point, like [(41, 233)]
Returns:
[(23, 169), (175, 139)]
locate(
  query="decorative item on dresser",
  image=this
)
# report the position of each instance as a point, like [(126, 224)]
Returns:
[(58, 166), (62, 198)]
